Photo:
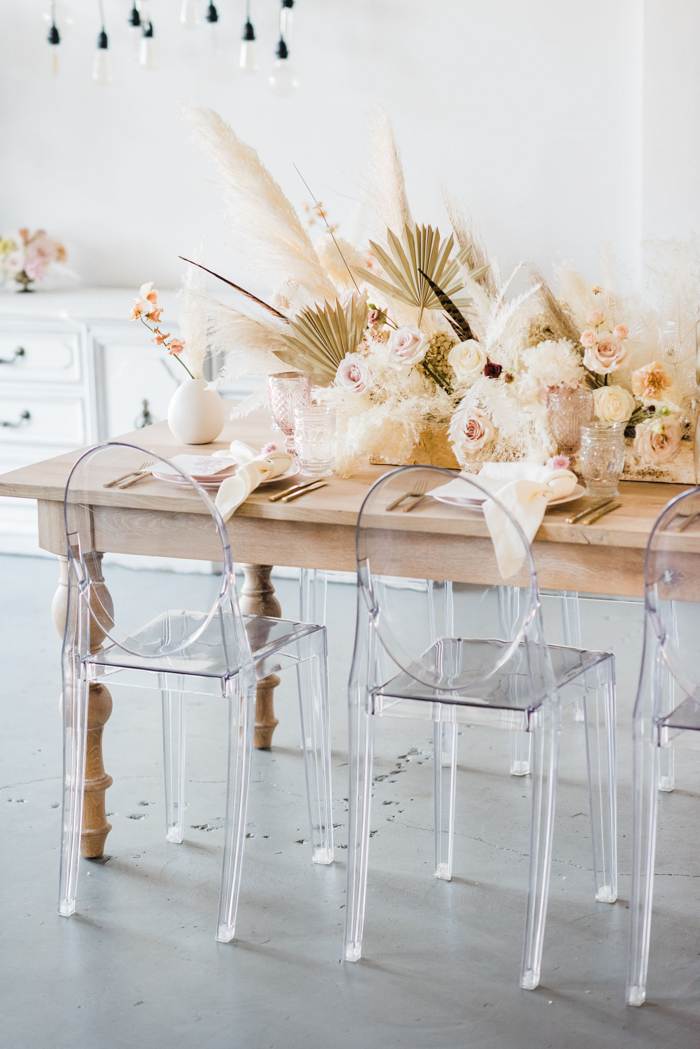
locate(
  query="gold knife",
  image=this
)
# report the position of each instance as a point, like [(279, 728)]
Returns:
[(589, 510), (602, 511), (303, 491), (288, 491)]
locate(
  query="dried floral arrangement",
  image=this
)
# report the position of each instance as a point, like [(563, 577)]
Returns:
[(418, 340)]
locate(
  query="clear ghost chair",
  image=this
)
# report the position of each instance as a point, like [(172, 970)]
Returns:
[(667, 707), (212, 651), (440, 653)]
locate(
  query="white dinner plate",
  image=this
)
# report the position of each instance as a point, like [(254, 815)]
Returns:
[(163, 474), (477, 504)]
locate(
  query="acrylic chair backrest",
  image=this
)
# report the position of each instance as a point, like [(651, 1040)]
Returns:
[(418, 621), (89, 509), (672, 588)]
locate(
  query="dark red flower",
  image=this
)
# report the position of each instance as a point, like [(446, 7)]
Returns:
[(492, 371)]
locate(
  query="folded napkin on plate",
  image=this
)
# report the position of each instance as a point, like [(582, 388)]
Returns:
[(254, 468), (525, 490)]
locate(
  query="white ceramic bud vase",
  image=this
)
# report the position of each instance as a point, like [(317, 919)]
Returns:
[(196, 415)]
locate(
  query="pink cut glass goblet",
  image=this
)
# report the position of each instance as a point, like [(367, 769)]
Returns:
[(286, 390)]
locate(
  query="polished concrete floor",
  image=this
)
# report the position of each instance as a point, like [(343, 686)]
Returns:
[(138, 966)]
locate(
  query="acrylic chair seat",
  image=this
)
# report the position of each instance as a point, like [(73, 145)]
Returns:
[(214, 651), (667, 706), (511, 679)]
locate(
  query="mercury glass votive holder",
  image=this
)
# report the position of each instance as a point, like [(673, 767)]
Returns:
[(314, 433), (602, 457)]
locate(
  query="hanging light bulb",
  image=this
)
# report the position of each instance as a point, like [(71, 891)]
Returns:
[(286, 19), (54, 39), (189, 13), (101, 66), (249, 58), (283, 80), (134, 22), (148, 56)]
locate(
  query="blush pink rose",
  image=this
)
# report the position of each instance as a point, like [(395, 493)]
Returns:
[(588, 338), (407, 346), (607, 355), (595, 318), (622, 331), (470, 430), (658, 442), (352, 374)]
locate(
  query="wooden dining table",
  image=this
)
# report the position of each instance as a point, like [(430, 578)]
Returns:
[(317, 531)]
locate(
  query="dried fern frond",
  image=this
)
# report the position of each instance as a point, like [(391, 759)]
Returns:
[(265, 222), (321, 336), (420, 248)]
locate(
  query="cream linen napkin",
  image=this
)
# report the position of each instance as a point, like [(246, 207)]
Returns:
[(524, 490), (254, 468)]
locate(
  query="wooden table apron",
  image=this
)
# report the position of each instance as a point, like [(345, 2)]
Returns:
[(318, 531)]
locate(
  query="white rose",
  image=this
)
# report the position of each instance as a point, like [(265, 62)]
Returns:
[(352, 374), (467, 360), (613, 404), (407, 347)]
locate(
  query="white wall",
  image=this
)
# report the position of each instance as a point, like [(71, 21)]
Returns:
[(532, 110)]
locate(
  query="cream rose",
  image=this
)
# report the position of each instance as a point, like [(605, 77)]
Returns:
[(467, 360), (658, 441), (613, 404), (606, 355), (407, 347), (470, 430), (352, 374)]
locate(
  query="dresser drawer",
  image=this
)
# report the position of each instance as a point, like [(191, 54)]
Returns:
[(53, 421), (40, 357)]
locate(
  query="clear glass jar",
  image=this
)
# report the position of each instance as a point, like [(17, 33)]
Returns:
[(567, 411), (602, 457), (314, 433)]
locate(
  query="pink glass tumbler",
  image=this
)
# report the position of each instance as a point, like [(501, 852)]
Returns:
[(286, 390)]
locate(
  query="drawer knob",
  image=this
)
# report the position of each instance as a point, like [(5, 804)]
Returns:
[(19, 352), (25, 416)]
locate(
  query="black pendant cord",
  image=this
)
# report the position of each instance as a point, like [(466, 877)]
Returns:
[(248, 31), (212, 15), (54, 36), (102, 41), (134, 18)]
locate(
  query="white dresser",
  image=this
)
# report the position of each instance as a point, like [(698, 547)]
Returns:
[(74, 370)]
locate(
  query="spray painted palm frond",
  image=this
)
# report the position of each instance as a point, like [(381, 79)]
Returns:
[(320, 337), (419, 252), (460, 324)]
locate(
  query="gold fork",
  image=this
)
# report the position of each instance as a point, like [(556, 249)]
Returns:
[(142, 467), (145, 471), (417, 493)]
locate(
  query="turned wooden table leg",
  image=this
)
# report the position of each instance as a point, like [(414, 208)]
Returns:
[(258, 598), (95, 825)]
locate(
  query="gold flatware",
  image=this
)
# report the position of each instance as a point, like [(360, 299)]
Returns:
[(416, 502), (138, 477), (417, 493), (288, 491), (111, 484), (601, 512), (589, 510), (308, 488)]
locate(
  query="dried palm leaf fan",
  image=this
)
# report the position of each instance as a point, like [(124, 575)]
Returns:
[(320, 337), (419, 254)]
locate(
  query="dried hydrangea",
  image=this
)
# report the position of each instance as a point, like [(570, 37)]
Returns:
[(436, 357)]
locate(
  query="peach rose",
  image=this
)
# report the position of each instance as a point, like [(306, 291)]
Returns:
[(650, 382), (470, 430), (407, 346), (607, 355), (595, 318), (588, 338), (622, 331), (352, 374), (658, 441)]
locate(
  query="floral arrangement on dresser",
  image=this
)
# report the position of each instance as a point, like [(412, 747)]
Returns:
[(27, 257), (428, 352)]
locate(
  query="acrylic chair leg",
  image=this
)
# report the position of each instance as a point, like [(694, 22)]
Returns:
[(546, 732), (313, 591), (445, 734), (599, 709), (645, 775), (666, 756), (360, 757), (520, 752), (241, 724), (312, 678), (75, 710), (520, 742), (571, 624), (173, 700)]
